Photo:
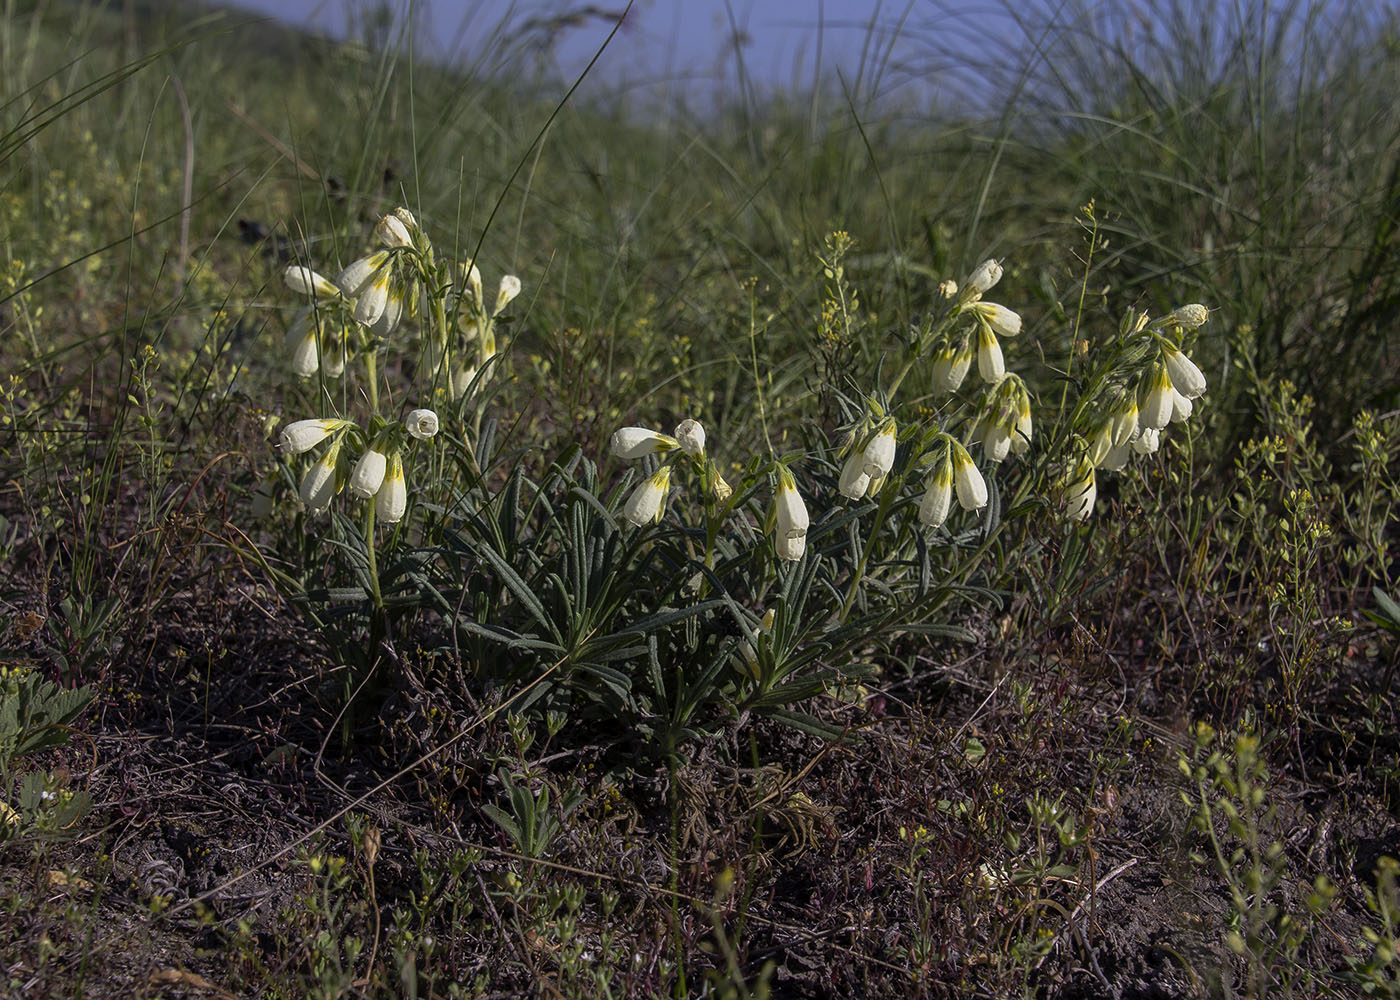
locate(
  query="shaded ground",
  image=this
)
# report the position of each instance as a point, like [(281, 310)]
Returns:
[(905, 860)]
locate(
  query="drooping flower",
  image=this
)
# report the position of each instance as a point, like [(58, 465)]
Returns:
[(421, 424), (1101, 442), (634, 442), (690, 435), (878, 457), (368, 475), (996, 439), (854, 480), (302, 279), (790, 518), (1147, 441), (1080, 491), (1181, 407), (301, 340), (1125, 420), (318, 485), (1005, 423), (951, 365), (1021, 440), (1185, 377), (990, 363), (392, 499), (938, 495), (647, 503), (971, 487), (303, 435), (1003, 321), (388, 320), (367, 282), (333, 362), (1155, 398)]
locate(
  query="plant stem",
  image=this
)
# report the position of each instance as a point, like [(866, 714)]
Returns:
[(373, 562)]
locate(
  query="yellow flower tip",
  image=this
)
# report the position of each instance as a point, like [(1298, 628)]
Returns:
[(647, 504), (391, 501), (971, 486), (938, 496), (634, 442), (790, 518)]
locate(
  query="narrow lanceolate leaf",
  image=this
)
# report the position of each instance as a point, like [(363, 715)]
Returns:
[(520, 589), (670, 616)]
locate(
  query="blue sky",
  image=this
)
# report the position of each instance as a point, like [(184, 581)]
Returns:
[(665, 44)]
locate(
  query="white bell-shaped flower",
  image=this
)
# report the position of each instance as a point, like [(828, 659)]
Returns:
[(301, 338), (878, 457), (790, 518), (990, 363), (391, 232), (421, 424), (690, 435), (1080, 492), (634, 442), (971, 487), (1021, 438), (318, 485), (368, 475), (303, 435), (853, 481), (951, 366), (1155, 398), (302, 279), (392, 499), (1147, 441), (938, 495), (647, 503), (996, 440), (1186, 378), (1003, 321), (1181, 407)]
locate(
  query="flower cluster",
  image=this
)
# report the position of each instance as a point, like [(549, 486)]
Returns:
[(954, 469), (377, 473), (647, 504), (474, 344), (1138, 403), (990, 320), (373, 293), (400, 278)]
